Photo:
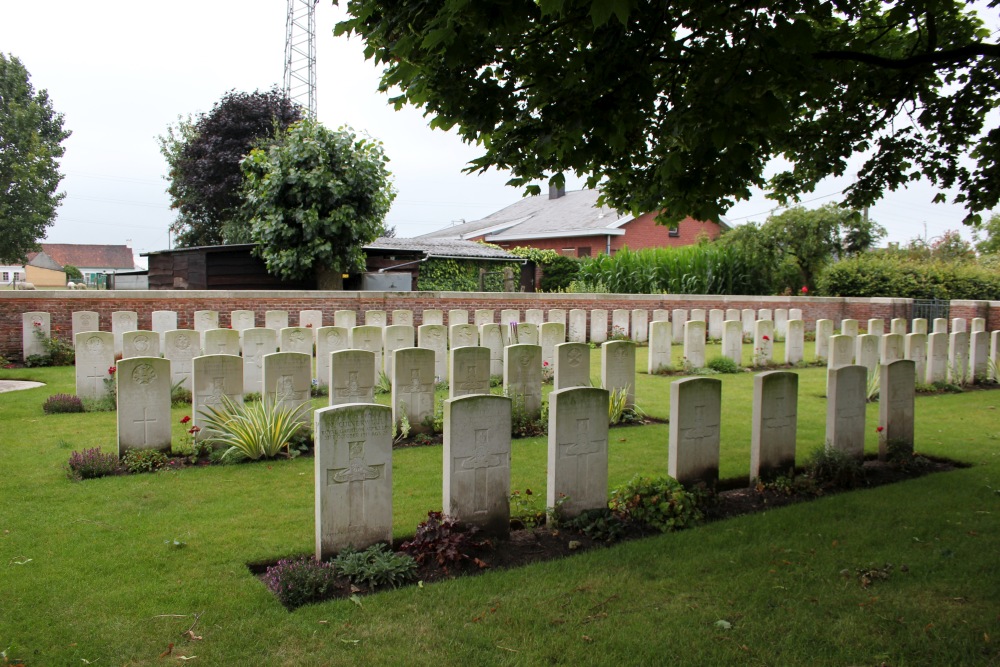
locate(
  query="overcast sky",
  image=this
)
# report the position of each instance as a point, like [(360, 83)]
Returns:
[(122, 72)]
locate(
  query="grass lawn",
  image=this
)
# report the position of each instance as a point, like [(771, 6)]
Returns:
[(88, 572)]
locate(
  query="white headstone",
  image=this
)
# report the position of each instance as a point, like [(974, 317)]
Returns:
[(413, 387), (891, 348), (34, 327), (163, 321), (795, 345), (143, 404), (959, 324), (433, 316), (476, 453), (940, 325), (659, 358), (458, 316), (716, 317), (122, 321), (205, 320), (240, 320), (353, 475), (640, 325), (311, 319), (678, 317), (977, 324), (897, 388), (435, 337), (661, 315), (876, 327), (95, 356), (979, 361), (557, 315), (368, 338), (395, 337), (276, 319), (527, 333), (734, 314), (483, 316), (920, 325), (618, 368), (898, 326), (86, 320), (958, 357), (470, 372), (773, 425), (732, 341), (937, 358), (598, 326), (578, 450), (465, 335), (695, 416), (846, 393), (765, 314), (577, 332), (214, 376), (915, 349), (572, 366), (849, 327), (402, 317), (748, 316), (140, 344), (866, 352), (824, 329), (329, 339), (375, 318), (352, 376), (994, 374), (795, 313), (296, 339), (491, 337), (257, 342), (522, 377), (763, 342), (698, 315), (841, 351), (180, 346), (780, 323), (288, 382), (221, 341), (509, 315), (550, 335), (534, 316), (345, 319), (694, 344)]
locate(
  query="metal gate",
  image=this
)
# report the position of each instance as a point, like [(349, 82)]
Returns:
[(930, 309)]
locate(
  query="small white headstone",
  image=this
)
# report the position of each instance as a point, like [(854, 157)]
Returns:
[(695, 416), (329, 339), (221, 341), (841, 351), (897, 388), (288, 382), (773, 425), (716, 317), (891, 348), (375, 318), (276, 319), (491, 337), (866, 352), (765, 314), (395, 337), (458, 316), (143, 404), (240, 320), (527, 334), (572, 366), (846, 392), (413, 387), (368, 338), (959, 325), (659, 358), (551, 334), (824, 329), (748, 317), (763, 342), (694, 344), (557, 315), (618, 368), (780, 323), (163, 321), (205, 320), (620, 319), (577, 332), (578, 450), (994, 373), (732, 341), (920, 325), (509, 315), (849, 327), (979, 361), (402, 318), (180, 346), (977, 324), (876, 327), (345, 319), (795, 313), (435, 337), (466, 335), (734, 314), (470, 372), (140, 344), (534, 316), (678, 317), (522, 376), (296, 339), (311, 319), (352, 376), (257, 342), (958, 357), (95, 356), (433, 316), (86, 320), (214, 376), (640, 325), (898, 326), (483, 316), (697, 314), (598, 326), (940, 325), (915, 349), (937, 358), (34, 327), (122, 321), (795, 345), (661, 315)]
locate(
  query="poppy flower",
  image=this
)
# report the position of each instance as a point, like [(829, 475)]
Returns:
[(112, 370), (766, 337), (805, 290), (185, 419), (193, 430), (880, 429)]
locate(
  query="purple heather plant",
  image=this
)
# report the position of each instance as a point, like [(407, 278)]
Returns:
[(92, 463), (59, 403), (299, 581)]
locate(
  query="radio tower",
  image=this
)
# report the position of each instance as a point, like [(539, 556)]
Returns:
[(300, 54)]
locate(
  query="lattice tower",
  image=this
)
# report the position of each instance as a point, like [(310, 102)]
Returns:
[(300, 54)]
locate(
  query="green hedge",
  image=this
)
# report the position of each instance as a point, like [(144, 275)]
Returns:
[(875, 275), (453, 275)]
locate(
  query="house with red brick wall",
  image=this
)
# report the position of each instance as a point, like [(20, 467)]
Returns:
[(572, 224)]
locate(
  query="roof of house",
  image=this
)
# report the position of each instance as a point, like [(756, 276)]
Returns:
[(42, 261), (90, 256), (574, 214), (438, 247)]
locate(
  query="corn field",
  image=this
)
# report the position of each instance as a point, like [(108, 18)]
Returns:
[(695, 269)]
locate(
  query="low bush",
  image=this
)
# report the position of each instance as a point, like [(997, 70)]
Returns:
[(59, 403), (376, 567), (92, 463), (138, 461), (723, 365), (883, 275), (444, 541), (299, 581), (660, 503), (256, 430), (832, 467)]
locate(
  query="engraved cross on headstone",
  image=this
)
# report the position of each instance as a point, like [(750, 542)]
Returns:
[(470, 382), (97, 376), (355, 475), (780, 418), (582, 448), (701, 431), (480, 462), (145, 421)]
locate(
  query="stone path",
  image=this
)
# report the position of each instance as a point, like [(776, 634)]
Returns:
[(15, 385)]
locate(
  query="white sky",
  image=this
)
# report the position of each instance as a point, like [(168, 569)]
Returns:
[(122, 72)]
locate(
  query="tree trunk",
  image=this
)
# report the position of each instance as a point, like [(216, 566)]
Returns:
[(329, 280)]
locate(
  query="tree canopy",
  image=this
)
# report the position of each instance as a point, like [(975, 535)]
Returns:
[(203, 154), (314, 199), (680, 106), (31, 136)]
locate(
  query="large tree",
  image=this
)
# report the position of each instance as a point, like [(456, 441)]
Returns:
[(681, 105), (314, 198), (203, 154), (31, 136)]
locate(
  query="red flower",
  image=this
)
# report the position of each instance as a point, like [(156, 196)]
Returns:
[(880, 429), (112, 370), (185, 419), (37, 323), (766, 337), (193, 430), (309, 326), (805, 290)]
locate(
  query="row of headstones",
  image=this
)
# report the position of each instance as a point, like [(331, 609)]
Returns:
[(353, 462)]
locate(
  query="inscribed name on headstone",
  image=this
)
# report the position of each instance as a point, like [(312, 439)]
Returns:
[(919, 325), (732, 341), (240, 320), (329, 339), (695, 416), (402, 318), (470, 371), (694, 344), (95, 355), (140, 344), (572, 366), (897, 389), (780, 323), (353, 477), (143, 386), (476, 452), (937, 358), (534, 316), (979, 361), (577, 332), (276, 319), (659, 358), (891, 348), (345, 319), (940, 325), (35, 326), (368, 338), (716, 317), (413, 387), (522, 377), (773, 424), (122, 321), (433, 316), (866, 352), (640, 325), (458, 316), (86, 320), (598, 326), (396, 337), (352, 376), (577, 477), (205, 320), (551, 334), (435, 337), (763, 342), (214, 376), (748, 316), (257, 342), (841, 351), (618, 367), (180, 346), (958, 357), (897, 325), (849, 327), (482, 316), (824, 329), (795, 341), (491, 337), (163, 321), (915, 349), (557, 315), (846, 394), (465, 335), (876, 327), (288, 382), (221, 341), (375, 318), (527, 333), (678, 317)]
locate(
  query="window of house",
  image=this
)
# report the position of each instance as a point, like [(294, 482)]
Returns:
[(674, 229), (583, 251), (6, 276), (17, 275)]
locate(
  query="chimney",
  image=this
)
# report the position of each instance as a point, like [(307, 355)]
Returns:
[(555, 192)]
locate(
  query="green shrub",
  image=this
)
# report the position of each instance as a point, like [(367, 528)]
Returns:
[(600, 524), (723, 365), (454, 275), (885, 275), (92, 463), (660, 503), (444, 541), (558, 273), (59, 403), (57, 352), (299, 581), (256, 430), (143, 460), (832, 467), (376, 566)]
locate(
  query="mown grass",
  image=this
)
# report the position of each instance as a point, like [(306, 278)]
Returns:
[(88, 571)]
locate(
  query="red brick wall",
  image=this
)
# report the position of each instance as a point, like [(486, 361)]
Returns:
[(61, 304)]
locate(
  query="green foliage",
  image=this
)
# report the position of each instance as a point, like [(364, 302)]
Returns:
[(660, 503), (832, 467), (619, 410), (536, 255), (987, 236), (376, 567), (443, 540), (715, 92), (60, 403), (314, 199), (457, 275), (599, 524), (31, 136), (890, 275), (72, 273), (299, 581), (527, 510), (57, 352), (723, 365), (383, 385), (138, 461), (559, 273), (92, 463), (256, 430)]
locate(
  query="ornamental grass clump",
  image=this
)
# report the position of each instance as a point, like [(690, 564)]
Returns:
[(61, 403), (260, 430), (299, 581), (92, 463)]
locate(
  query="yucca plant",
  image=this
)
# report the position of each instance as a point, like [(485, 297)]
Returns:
[(257, 430)]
